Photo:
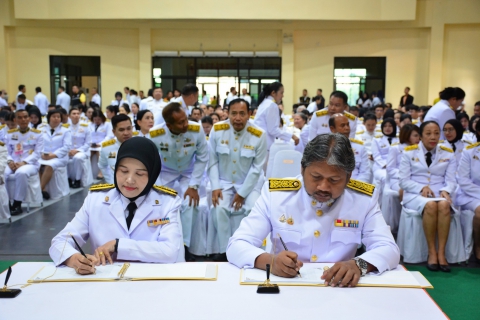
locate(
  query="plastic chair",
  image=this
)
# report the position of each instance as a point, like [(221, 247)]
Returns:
[(287, 163), (34, 191), (274, 149), (466, 221), (58, 186)]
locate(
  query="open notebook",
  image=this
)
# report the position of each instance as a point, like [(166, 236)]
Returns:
[(130, 271), (311, 276)]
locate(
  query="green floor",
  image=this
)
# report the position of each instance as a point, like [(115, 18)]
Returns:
[(456, 293)]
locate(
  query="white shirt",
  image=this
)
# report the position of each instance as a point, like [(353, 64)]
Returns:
[(16, 98), (144, 103), (246, 98), (63, 100), (96, 98), (312, 107), (41, 101), (440, 113), (3, 102), (205, 99), (376, 101), (156, 106), (231, 97), (21, 106)]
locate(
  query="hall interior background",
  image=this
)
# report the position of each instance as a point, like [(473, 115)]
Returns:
[(428, 44)]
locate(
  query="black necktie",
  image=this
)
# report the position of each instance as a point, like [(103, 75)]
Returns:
[(454, 147), (389, 140), (96, 127), (132, 207), (428, 158), (52, 131)]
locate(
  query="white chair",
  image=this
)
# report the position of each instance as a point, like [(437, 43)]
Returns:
[(391, 207), (4, 202), (87, 176), (287, 163), (34, 191), (466, 220), (276, 147), (413, 245), (58, 186), (181, 252)]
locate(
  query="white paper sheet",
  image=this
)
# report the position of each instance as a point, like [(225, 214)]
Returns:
[(66, 273), (167, 271)]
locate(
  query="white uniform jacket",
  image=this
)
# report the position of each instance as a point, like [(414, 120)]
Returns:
[(268, 120), (58, 143), (440, 113), (81, 137), (315, 231), (362, 169), (414, 173), (102, 133), (393, 164), (468, 175), (26, 146), (380, 148), (108, 158), (102, 218), (319, 124), (184, 154), (236, 158)]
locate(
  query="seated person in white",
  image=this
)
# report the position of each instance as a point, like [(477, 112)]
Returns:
[(380, 146), (35, 118), (127, 220), (145, 122), (453, 133), (367, 135), (409, 135), (468, 196), (300, 122), (310, 213), (427, 177), (4, 202), (79, 153), (57, 142), (102, 131)]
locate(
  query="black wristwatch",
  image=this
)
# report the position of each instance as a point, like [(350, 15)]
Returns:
[(116, 246), (362, 265)]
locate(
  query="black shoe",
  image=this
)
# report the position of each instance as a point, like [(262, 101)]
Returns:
[(445, 268), (220, 257), (70, 182), (45, 195), (432, 267), (75, 184), (16, 211), (188, 256)]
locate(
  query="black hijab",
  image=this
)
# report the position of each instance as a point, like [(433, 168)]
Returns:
[(457, 125), (145, 151), (394, 125), (470, 126)]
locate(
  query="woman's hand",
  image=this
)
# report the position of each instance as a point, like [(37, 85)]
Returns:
[(104, 253), (446, 195), (427, 192), (216, 195), (81, 265)]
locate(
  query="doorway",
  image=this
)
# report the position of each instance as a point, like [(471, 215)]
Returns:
[(67, 71)]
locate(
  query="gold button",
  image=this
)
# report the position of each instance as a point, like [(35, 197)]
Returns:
[(178, 140), (314, 258), (234, 161), (234, 172), (156, 202), (106, 199), (178, 151), (319, 213), (164, 159), (233, 181), (236, 138), (178, 160), (235, 149), (316, 233)]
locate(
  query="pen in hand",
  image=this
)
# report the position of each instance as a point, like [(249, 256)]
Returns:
[(80, 249), (285, 247)]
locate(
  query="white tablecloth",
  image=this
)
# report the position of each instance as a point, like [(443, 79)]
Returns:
[(221, 299)]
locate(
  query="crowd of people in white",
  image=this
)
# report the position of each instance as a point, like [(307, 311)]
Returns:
[(421, 160)]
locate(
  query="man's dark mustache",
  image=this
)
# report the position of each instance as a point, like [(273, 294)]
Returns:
[(323, 194)]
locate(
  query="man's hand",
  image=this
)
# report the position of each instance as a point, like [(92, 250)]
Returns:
[(216, 194), (343, 274), (286, 265), (296, 139), (427, 192), (81, 265), (237, 202), (72, 153), (19, 164), (194, 197)]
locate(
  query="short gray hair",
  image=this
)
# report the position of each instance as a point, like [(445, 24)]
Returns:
[(332, 148)]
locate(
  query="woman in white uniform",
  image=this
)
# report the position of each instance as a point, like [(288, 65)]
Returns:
[(57, 142), (427, 176), (145, 121), (101, 130), (453, 133), (300, 122), (468, 195), (4, 202), (409, 135), (36, 118), (473, 135), (380, 146), (465, 121), (130, 220)]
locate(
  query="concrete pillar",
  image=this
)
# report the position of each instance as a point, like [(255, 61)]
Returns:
[(144, 59), (288, 76)]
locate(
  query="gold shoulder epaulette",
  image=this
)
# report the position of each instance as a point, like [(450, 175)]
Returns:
[(356, 141), (156, 133), (84, 124), (252, 117), (165, 190), (2, 126), (379, 136), (321, 113), (415, 121), (102, 187), (135, 133), (193, 128), (467, 141), (394, 144), (66, 125), (473, 145), (12, 130), (361, 119), (108, 143), (412, 147), (360, 132), (254, 131), (221, 126), (361, 186), (441, 141), (350, 116), (283, 184), (2, 144), (446, 149), (36, 131)]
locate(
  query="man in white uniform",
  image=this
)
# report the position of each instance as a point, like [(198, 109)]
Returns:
[(24, 148), (188, 98), (245, 96), (238, 150), (3, 101), (184, 152), (156, 105), (63, 99), (21, 90), (81, 141), (232, 95), (23, 102), (41, 101), (96, 97), (314, 217), (338, 104), (122, 129)]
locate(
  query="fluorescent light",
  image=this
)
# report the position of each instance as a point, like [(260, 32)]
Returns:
[(191, 53), (267, 54), (165, 54), (216, 53), (241, 53)]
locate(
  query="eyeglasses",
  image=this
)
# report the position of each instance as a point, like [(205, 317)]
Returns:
[(448, 130)]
